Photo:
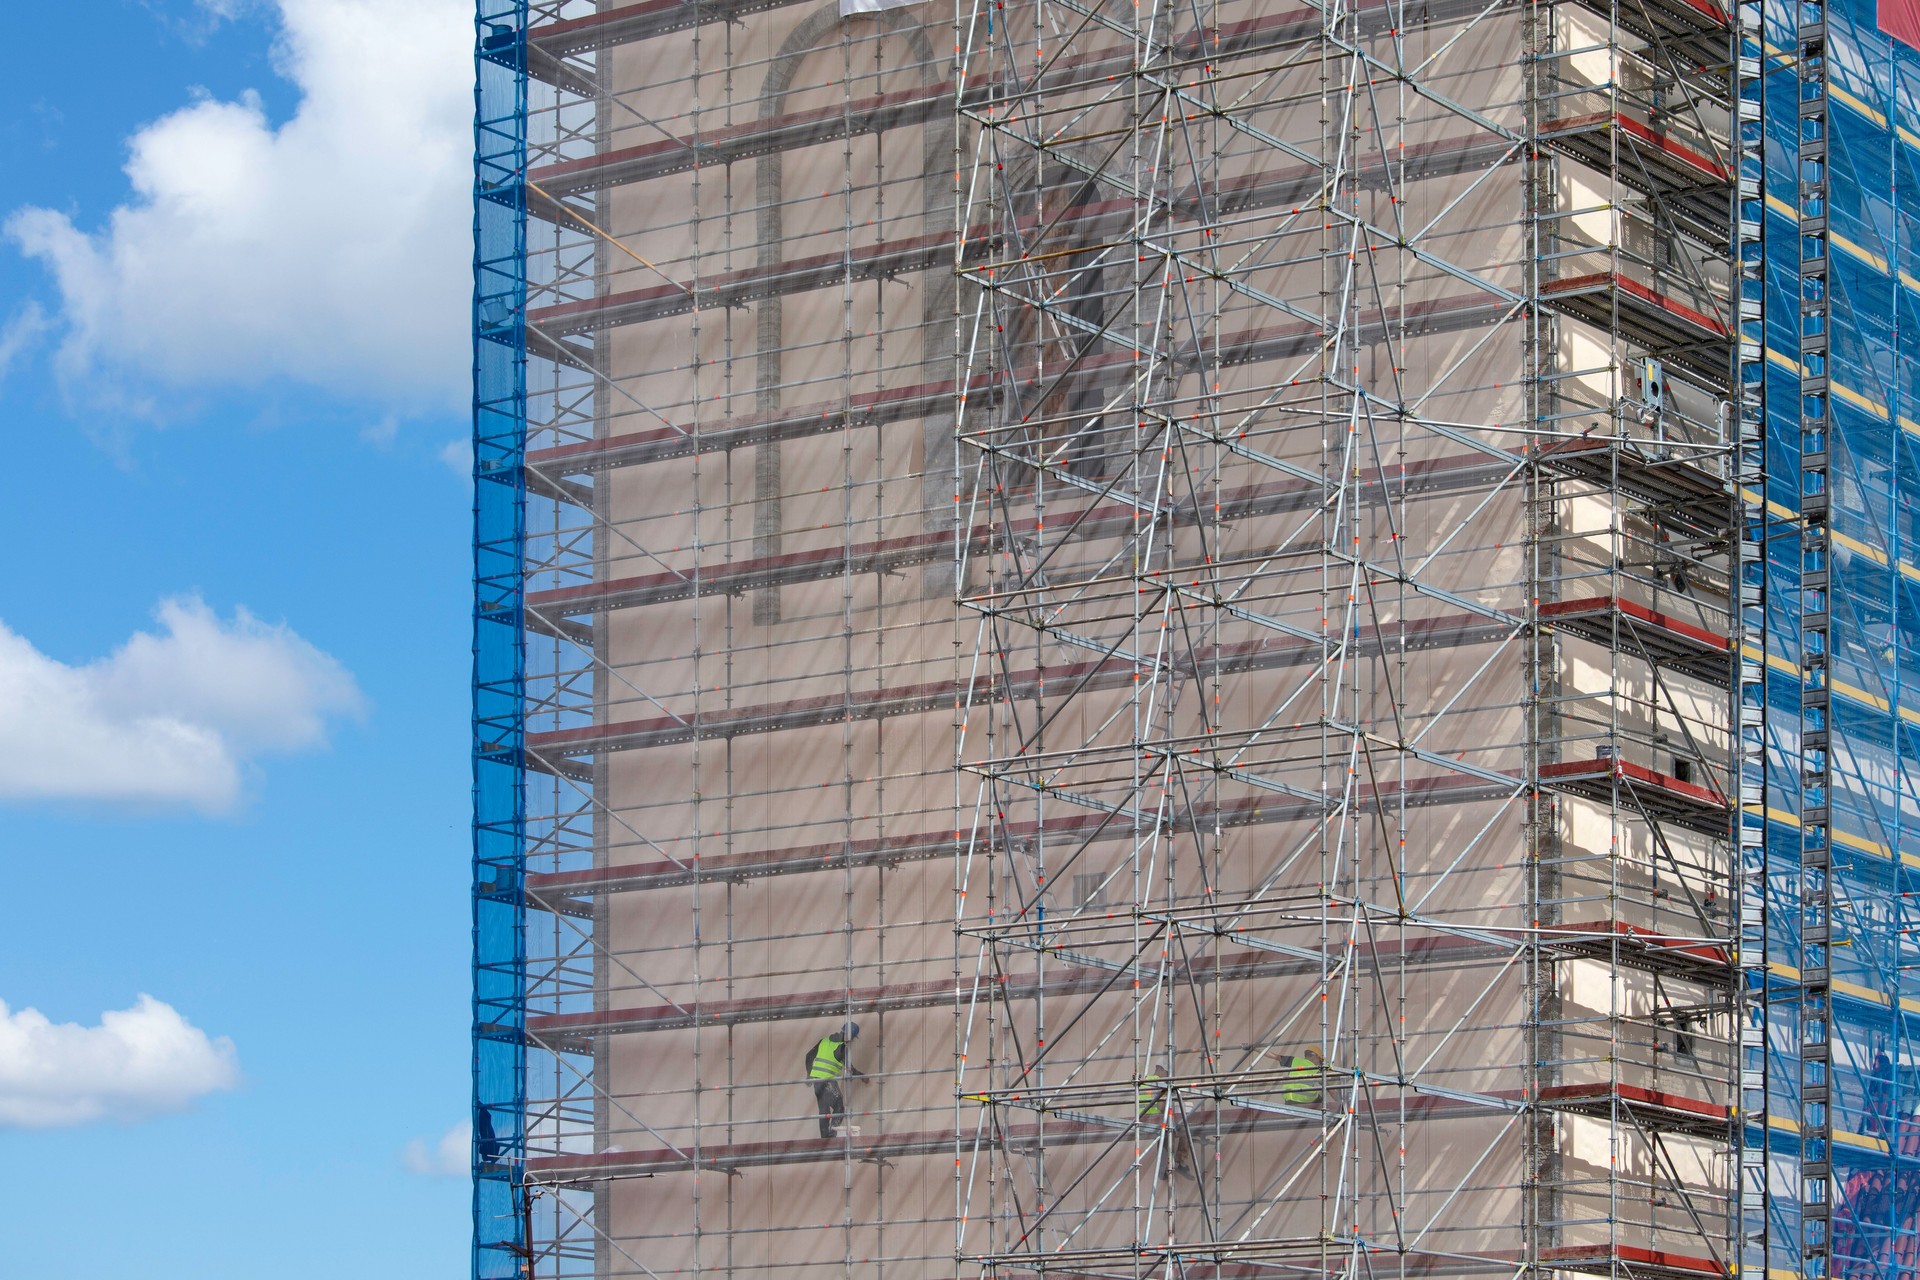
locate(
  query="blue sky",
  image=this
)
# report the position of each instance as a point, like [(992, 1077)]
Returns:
[(214, 398)]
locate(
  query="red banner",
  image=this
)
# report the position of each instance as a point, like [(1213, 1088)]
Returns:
[(1901, 20)]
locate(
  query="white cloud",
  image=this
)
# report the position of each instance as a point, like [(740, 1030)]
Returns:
[(21, 331), (138, 1062), (168, 719), (331, 249), (447, 1158), (458, 456)]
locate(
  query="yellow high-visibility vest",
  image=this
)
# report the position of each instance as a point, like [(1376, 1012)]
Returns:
[(1303, 1082), (827, 1063)]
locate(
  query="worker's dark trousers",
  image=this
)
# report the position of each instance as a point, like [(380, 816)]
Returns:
[(1180, 1150), (833, 1107)]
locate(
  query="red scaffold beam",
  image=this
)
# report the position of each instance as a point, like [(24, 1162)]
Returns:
[(1656, 1108), (549, 750), (1694, 29), (1665, 478), (884, 555), (618, 24), (549, 43), (1027, 1137), (570, 1030), (551, 186), (1254, 346), (1633, 1260), (734, 288), (665, 157), (1673, 161), (907, 254), (873, 408), (662, 444), (1304, 1259), (1688, 337), (1661, 795), (1651, 300), (1616, 942), (1393, 1105), (920, 846), (874, 113), (1666, 640)]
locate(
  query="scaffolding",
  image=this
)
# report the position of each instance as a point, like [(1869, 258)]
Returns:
[(1836, 851), (1214, 577)]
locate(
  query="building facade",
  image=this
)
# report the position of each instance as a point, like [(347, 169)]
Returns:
[(1294, 608)]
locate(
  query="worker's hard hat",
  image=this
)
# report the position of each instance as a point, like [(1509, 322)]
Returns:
[(850, 1032), (1312, 1052)]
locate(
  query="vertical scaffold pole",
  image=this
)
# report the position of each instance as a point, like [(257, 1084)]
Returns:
[(500, 1243)]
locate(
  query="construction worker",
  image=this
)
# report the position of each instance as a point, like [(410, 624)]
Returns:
[(827, 1066), (1304, 1074), (1154, 1097), (1876, 1117)]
